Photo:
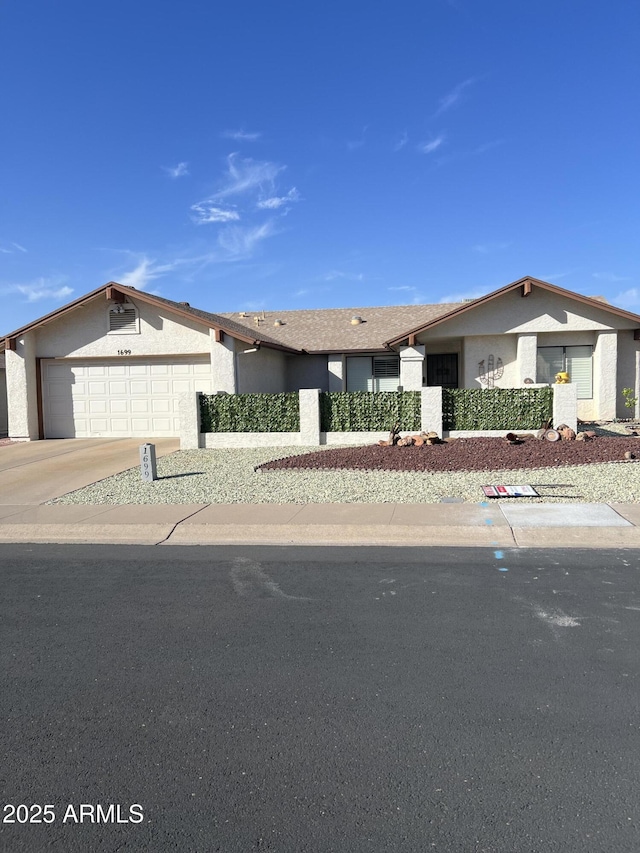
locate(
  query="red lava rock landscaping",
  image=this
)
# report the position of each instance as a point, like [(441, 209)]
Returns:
[(465, 454)]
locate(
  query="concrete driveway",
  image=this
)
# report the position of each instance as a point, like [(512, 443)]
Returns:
[(33, 472)]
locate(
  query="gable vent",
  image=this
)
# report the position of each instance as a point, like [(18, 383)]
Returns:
[(123, 319)]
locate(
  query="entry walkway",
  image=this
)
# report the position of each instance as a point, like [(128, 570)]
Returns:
[(485, 524), (32, 472)]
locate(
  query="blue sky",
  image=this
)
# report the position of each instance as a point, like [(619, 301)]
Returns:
[(288, 155)]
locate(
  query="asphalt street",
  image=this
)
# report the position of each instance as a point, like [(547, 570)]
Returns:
[(319, 699)]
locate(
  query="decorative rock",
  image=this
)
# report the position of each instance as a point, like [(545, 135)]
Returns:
[(567, 434)]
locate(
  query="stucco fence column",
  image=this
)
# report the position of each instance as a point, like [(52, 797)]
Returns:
[(189, 411), (411, 367), (431, 410), (605, 370), (565, 405), (309, 416), (527, 358)]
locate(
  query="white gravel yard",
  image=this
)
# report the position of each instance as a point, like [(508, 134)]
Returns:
[(228, 477)]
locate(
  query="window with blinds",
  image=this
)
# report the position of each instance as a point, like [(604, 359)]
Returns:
[(576, 361), (123, 319), (373, 373)]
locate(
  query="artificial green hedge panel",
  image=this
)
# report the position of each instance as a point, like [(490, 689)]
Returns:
[(250, 412), (496, 408), (360, 411)]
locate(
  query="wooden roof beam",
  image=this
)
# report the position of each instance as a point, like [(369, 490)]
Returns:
[(114, 295), (527, 287)]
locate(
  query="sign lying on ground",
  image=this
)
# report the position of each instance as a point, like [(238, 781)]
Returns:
[(509, 492)]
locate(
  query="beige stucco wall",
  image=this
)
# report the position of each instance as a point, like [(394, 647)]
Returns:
[(22, 398), (628, 356), (478, 348), (84, 333), (541, 311), (311, 371), (260, 372)]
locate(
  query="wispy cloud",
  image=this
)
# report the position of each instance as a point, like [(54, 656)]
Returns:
[(275, 202), (474, 152), (206, 213), (432, 145), (147, 270), (178, 171), (41, 288), (332, 275), (489, 248), (245, 174), (556, 276), (453, 97), (629, 299), (401, 142), (354, 144), (240, 135), (15, 247), (239, 242), (609, 276)]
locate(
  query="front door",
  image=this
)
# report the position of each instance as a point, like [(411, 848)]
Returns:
[(443, 370)]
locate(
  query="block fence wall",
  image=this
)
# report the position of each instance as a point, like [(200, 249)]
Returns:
[(565, 408)]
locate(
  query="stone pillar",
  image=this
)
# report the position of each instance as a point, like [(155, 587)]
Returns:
[(335, 366), (565, 405), (411, 368), (189, 410), (605, 375), (223, 364), (22, 393), (527, 358), (431, 409), (309, 416)]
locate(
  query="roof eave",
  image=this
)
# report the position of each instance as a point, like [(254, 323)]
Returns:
[(528, 282), (149, 299)]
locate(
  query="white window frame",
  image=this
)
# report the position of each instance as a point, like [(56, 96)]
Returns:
[(585, 387), (374, 382)]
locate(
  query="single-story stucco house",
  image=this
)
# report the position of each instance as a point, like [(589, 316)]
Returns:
[(115, 362)]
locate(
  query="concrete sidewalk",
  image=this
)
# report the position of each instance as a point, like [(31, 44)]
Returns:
[(486, 524)]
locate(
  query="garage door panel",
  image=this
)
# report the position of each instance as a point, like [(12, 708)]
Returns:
[(118, 399)]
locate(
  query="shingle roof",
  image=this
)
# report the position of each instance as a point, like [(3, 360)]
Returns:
[(225, 321), (330, 329)]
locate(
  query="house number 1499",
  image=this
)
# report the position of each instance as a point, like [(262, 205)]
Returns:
[(124, 352)]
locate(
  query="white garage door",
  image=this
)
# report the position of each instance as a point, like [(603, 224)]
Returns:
[(118, 398)]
